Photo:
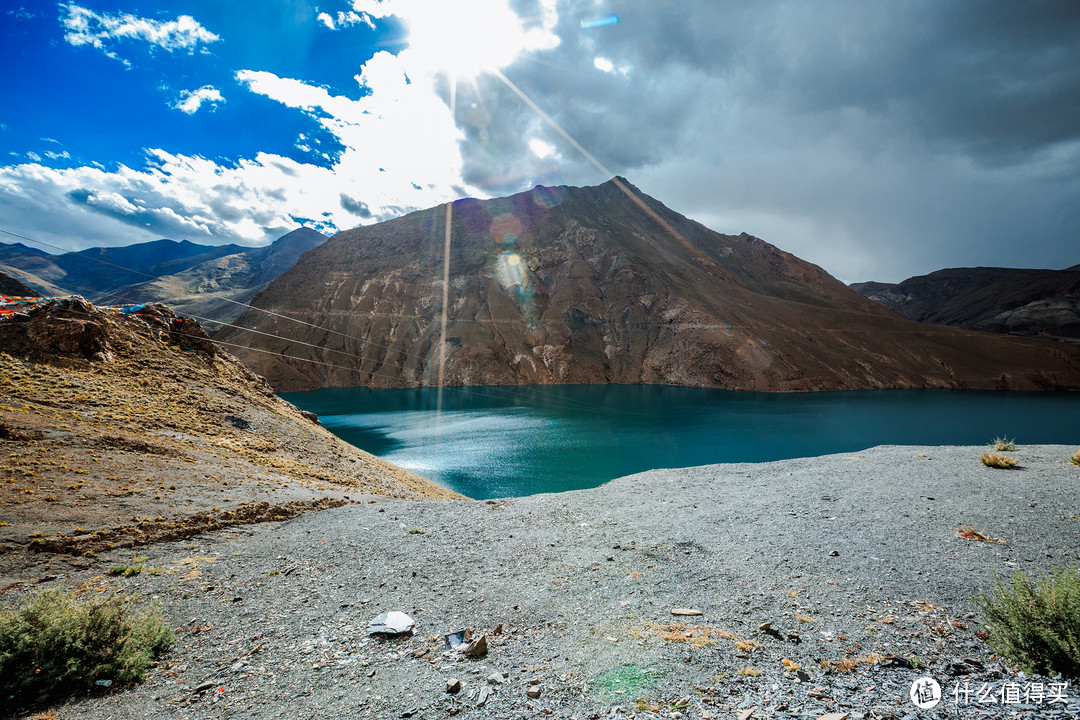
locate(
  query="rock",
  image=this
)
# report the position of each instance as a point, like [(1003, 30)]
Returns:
[(533, 692), (453, 686), (745, 714), (833, 553), (495, 678), (203, 687), (834, 716), (686, 612), (410, 712), (793, 637), (818, 693), (391, 623), (482, 698), (956, 668), (476, 648)]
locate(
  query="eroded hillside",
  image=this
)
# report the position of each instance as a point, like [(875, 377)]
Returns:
[(120, 428)]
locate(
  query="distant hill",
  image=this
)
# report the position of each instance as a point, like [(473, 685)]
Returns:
[(99, 270), (218, 288), (32, 267), (208, 281), (12, 286), (1003, 300), (602, 284)]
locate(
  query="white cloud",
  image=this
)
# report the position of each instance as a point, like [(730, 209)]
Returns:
[(175, 196), (62, 155), (191, 100), (402, 150), (605, 65), (399, 136), (86, 27), (345, 19), (541, 149)]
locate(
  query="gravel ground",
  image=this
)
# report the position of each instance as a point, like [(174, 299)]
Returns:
[(846, 556)]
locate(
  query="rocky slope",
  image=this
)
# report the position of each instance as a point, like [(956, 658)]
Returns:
[(122, 429), (596, 285), (1004, 300)]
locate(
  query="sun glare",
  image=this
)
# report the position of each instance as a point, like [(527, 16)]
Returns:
[(464, 39)]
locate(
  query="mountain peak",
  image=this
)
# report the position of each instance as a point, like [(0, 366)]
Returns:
[(595, 285)]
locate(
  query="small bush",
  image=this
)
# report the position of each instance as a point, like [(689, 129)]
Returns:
[(996, 460), (1075, 459), (54, 645), (1036, 624), (1003, 444)]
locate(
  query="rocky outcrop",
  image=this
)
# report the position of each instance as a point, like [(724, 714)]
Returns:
[(599, 285)]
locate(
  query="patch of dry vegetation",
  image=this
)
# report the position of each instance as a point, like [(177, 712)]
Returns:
[(1003, 444), (997, 460)]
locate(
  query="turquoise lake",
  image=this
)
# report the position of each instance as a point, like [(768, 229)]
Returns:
[(520, 440)]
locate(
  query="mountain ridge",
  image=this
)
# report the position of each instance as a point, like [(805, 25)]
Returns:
[(209, 281), (1018, 301), (601, 284)]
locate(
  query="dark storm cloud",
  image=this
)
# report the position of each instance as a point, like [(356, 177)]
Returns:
[(356, 207), (878, 139)]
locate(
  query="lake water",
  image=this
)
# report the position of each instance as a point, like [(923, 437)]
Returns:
[(510, 441)]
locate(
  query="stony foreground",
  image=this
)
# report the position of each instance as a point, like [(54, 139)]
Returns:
[(855, 562)]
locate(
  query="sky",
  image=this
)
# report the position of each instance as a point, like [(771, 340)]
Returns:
[(880, 140)]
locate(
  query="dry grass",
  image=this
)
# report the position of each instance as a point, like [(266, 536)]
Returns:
[(1075, 459), (1003, 444), (997, 460), (969, 532), (850, 663), (697, 635)]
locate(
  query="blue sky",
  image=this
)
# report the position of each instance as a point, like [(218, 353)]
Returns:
[(879, 140)]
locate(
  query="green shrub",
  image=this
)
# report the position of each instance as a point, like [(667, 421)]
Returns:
[(1036, 623), (54, 645)]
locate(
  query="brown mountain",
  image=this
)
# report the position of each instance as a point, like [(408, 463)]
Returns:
[(602, 284), (1004, 300)]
